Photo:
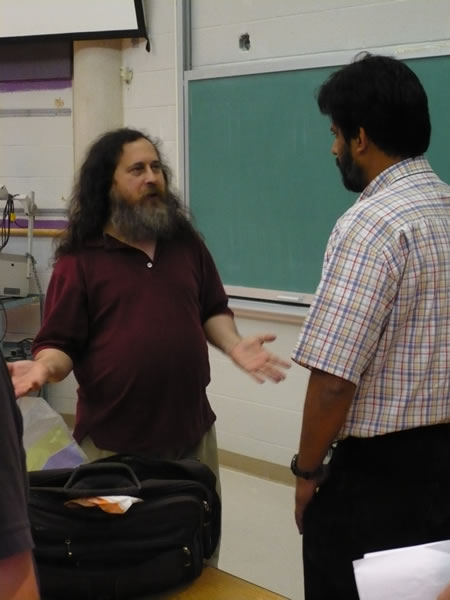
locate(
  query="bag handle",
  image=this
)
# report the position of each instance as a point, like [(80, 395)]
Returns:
[(102, 475)]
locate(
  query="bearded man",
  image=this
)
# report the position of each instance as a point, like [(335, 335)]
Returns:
[(133, 299)]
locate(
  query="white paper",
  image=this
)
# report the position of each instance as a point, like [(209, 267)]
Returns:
[(413, 573)]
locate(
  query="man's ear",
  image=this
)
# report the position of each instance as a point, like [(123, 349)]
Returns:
[(361, 141)]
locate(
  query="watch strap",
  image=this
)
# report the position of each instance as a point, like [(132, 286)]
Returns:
[(316, 474)]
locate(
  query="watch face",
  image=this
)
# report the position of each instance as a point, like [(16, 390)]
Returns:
[(294, 467)]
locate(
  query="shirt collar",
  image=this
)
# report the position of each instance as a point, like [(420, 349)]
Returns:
[(404, 168), (107, 242)]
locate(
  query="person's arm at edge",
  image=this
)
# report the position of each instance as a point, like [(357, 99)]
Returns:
[(445, 594), (49, 366), (248, 353), (328, 399), (17, 577)]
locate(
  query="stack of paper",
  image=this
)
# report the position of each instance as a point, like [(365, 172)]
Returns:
[(413, 573)]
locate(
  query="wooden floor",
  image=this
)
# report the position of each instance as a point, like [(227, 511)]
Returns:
[(217, 585)]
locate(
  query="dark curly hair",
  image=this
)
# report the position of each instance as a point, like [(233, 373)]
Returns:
[(89, 205), (385, 97)]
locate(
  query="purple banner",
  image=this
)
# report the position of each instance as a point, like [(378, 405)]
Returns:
[(35, 85), (22, 223)]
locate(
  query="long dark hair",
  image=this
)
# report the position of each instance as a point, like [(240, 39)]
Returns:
[(385, 97), (89, 203)]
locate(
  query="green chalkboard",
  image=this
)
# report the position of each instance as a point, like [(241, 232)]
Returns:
[(264, 188)]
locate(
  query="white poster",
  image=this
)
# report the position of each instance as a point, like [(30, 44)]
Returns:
[(58, 17)]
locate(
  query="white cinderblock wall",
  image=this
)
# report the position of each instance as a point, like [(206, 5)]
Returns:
[(149, 101), (288, 28), (36, 153), (261, 421)]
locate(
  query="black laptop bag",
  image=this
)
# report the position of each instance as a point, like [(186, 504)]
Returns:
[(87, 554)]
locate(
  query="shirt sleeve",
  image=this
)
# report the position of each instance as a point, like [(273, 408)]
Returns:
[(65, 323), (15, 532), (350, 310), (213, 298)]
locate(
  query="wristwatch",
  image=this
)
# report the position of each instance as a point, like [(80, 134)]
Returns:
[(316, 474)]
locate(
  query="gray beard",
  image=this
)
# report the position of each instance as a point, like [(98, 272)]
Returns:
[(143, 221)]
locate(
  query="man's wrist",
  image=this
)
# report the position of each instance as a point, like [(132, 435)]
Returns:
[(231, 345), (317, 473), (46, 368)]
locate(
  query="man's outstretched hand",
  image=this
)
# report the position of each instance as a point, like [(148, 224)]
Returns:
[(27, 376), (251, 355)]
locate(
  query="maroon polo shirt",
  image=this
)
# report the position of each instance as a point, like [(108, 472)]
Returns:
[(134, 331)]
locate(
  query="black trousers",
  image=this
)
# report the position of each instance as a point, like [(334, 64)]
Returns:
[(383, 492)]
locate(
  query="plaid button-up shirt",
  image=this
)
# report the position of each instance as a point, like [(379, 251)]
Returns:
[(381, 314)]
